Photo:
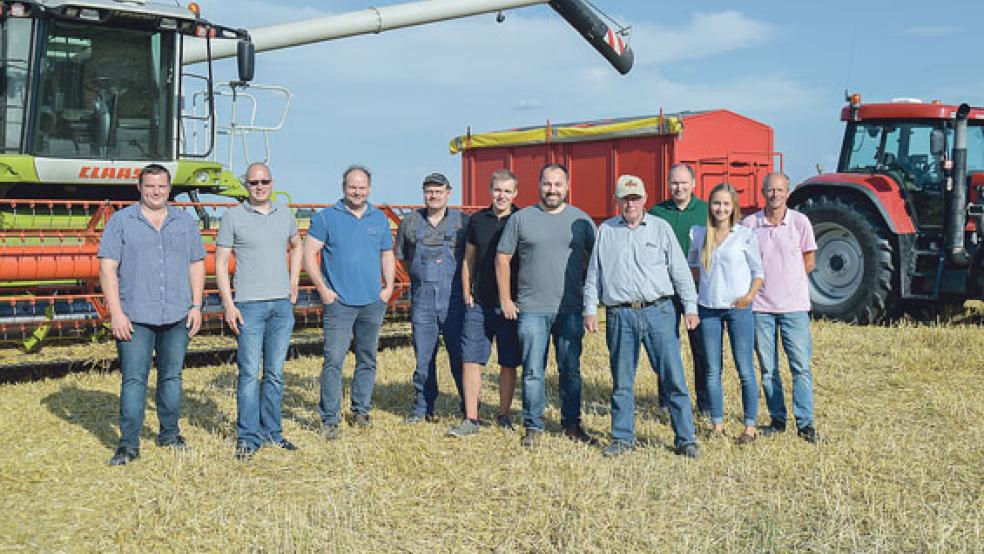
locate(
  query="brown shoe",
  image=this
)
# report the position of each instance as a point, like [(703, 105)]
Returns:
[(745, 438)]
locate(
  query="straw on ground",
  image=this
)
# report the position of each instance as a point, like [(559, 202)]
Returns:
[(899, 469)]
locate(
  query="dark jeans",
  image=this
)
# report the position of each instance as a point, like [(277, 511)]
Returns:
[(169, 342), (700, 363), (341, 322)]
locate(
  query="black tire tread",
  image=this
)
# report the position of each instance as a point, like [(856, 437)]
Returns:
[(877, 301)]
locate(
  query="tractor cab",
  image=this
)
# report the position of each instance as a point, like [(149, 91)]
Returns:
[(91, 93), (913, 152)]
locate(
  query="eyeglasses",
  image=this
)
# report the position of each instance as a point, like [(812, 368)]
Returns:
[(259, 182)]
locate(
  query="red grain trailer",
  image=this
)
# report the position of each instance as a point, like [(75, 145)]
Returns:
[(720, 145)]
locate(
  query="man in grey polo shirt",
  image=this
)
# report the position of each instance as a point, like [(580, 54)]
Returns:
[(635, 269), (259, 232), (430, 243), (152, 274)]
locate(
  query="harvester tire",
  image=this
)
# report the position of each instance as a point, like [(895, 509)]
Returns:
[(855, 273)]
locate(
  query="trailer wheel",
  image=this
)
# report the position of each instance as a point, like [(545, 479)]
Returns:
[(854, 276)]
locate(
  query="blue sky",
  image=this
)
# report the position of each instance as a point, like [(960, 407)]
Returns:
[(392, 101)]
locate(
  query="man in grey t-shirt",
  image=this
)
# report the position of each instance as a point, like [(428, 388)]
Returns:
[(551, 238), (259, 233)]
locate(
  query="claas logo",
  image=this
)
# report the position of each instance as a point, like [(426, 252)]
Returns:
[(118, 173)]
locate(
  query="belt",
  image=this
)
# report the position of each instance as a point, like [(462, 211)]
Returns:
[(639, 305)]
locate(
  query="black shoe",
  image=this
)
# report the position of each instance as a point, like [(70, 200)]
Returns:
[(176, 442), (361, 420), (413, 419), (689, 450), (124, 456), (532, 437), (774, 426), (283, 443), (244, 451), (809, 434), (503, 422), (577, 433)]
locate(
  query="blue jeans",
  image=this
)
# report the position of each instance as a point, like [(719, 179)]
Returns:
[(656, 328), (341, 322), (264, 336), (700, 363), (428, 325), (535, 331), (794, 328), (741, 331), (170, 342)]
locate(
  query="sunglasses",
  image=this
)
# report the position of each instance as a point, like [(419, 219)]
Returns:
[(259, 182)]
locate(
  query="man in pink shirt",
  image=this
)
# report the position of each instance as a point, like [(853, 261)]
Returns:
[(788, 250)]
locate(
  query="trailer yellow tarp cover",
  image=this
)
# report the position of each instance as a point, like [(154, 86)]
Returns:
[(571, 132)]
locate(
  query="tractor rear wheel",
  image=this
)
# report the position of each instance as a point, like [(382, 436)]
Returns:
[(855, 273)]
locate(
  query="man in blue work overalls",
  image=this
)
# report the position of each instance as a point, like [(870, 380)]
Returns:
[(430, 243)]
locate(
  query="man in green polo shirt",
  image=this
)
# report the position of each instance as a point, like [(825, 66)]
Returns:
[(682, 211)]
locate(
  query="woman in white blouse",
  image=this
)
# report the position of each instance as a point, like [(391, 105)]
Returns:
[(724, 258)]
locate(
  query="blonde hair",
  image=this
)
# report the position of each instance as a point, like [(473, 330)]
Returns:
[(710, 236)]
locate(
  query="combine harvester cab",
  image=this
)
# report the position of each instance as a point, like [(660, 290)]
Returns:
[(898, 224), (93, 94), (97, 89)]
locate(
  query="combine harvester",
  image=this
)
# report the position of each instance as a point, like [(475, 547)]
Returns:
[(96, 89)]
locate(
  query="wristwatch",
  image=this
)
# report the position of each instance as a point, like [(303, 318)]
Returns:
[(196, 307)]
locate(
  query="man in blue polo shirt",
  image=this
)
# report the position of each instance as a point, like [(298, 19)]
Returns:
[(354, 291), (152, 274)]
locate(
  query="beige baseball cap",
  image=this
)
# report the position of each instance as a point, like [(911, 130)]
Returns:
[(628, 185)]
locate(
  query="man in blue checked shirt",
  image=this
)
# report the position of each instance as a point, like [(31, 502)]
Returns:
[(636, 267), (152, 274)]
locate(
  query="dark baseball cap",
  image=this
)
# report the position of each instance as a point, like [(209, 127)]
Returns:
[(437, 179)]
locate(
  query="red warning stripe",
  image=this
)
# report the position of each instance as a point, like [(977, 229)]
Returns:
[(615, 42)]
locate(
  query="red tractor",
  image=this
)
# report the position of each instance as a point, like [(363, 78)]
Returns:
[(898, 225)]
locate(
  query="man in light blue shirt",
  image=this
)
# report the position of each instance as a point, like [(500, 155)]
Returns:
[(636, 267)]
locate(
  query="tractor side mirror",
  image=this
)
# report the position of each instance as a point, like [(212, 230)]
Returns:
[(937, 144), (245, 59)]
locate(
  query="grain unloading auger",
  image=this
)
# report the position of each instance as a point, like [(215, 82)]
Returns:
[(96, 89)]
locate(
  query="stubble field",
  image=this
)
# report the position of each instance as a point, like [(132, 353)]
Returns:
[(899, 468)]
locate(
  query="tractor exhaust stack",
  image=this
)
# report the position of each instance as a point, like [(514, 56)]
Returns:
[(956, 206)]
